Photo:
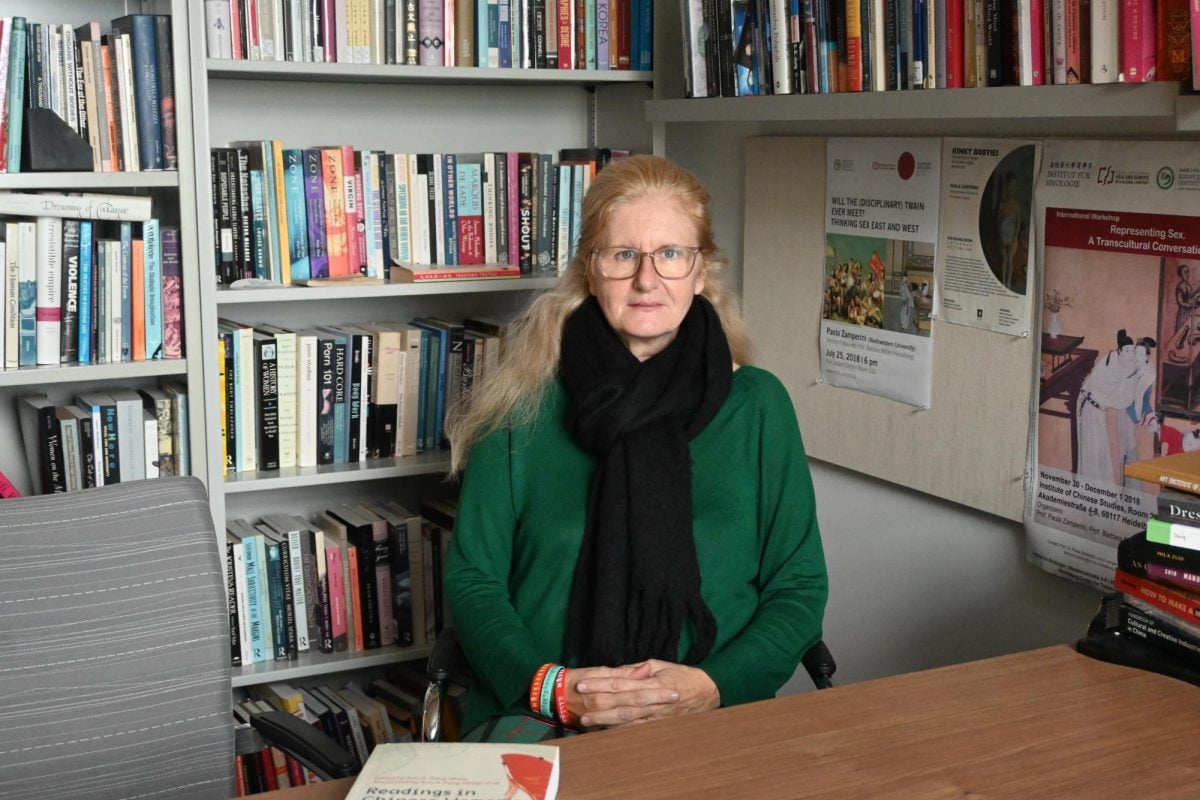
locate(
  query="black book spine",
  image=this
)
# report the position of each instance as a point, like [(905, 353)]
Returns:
[(87, 452), (235, 643), (222, 215), (289, 597), (267, 364), (69, 338), (356, 393), (1159, 633), (325, 400), (231, 429), (525, 212), (1135, 552), (402, 605), (368, 591), (54, 476), (166, 89), (1180, 507), (387, 200), (243, 229)]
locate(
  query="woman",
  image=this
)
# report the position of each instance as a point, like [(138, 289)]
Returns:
[(637, 504), (1113, 383)]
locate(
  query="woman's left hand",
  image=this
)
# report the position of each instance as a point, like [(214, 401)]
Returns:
[(696, 690)]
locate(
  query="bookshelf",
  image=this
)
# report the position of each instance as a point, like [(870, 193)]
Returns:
[(173, 203), (395, 108)]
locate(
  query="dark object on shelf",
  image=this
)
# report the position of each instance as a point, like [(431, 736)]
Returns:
[(52, 146), (1106, 644)]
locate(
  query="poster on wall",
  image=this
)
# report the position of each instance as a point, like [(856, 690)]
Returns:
[(880, 238), (1119, 372), (985, 274)]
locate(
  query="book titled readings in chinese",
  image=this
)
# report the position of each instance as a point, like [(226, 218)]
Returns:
[(442, 769)]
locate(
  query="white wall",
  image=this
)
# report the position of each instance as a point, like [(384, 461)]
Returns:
[(915, 581)]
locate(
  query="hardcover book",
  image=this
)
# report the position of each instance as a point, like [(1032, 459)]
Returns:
[(486, 771), (1176, 471)]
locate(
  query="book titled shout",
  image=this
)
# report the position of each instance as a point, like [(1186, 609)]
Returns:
[(442, 769)]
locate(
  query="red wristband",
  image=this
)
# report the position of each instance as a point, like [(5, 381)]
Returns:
[(535, 688), (560, 697)]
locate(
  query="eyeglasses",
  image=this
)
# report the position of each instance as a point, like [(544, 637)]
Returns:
[(671, 261)]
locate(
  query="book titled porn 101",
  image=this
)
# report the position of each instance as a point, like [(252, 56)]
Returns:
[(480, 771)]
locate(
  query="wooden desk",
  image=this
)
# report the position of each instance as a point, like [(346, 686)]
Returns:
[(1044, 724)]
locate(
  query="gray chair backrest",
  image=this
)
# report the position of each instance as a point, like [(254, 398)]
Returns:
[(114, 645)]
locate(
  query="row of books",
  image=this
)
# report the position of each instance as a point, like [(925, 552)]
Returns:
[(1157, 579), (79, 291), (298, 215), (358, 714), (334, 395), (105, 437), (752, 47), (107, 97), (529, 34), (353, 578)]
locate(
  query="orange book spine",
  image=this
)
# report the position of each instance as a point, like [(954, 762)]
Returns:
[(352, 183), (137, 300), (1173, 41), (110, 106)]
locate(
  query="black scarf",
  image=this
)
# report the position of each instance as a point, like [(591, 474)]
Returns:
[(637, 579)]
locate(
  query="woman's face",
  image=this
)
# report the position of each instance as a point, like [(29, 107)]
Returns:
[(646, 310)]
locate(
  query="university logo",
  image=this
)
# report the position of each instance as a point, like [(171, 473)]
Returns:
[(1165, 178)]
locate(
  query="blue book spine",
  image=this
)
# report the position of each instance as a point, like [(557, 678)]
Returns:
[(86, 298), (341, 397), (481, 33), (126, 291), (314, 203), (144, 53), (27, 294), (919, 62), (272, 215), (275, 597), (450, 208), (566, 197), (293, 189), (254, 609), (644, 25), (153, 288), (16, 94), (439, 370), (504, 32), (258, 225)]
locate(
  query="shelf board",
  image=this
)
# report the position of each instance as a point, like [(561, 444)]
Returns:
[(74, 373), (74, 181), (282, 294), (375, 469), (230, 69), (314, 664), (1096, 103)]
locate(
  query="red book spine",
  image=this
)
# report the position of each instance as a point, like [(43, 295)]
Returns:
[(1137, 41), (355, 599), (853, 46), (1174, 41), (329, 30), (624, 22), (955, 31), (1074, 57), (1037, 34), (1195, 9), (514, 201), (1182, 604), (235, 29), (564, 35), (470, 240)]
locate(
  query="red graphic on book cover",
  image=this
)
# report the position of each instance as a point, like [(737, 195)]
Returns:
[(530, 774)]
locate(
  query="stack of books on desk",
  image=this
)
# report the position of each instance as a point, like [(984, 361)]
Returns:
[(1156, 608)]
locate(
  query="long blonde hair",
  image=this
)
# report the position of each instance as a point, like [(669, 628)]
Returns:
[(531, 349)]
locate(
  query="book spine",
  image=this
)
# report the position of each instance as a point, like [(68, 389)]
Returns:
[(16, 93), (144, 63), (449, 209), (254, 600), (314, 204), (275, 596), (48, 308), (152, 291), (336, 230), (1173, 601), (1178, 507), (172, 293), (166, 89), (1137, 41), (69, 338), (1173, 533), (231, 596), (336, 572), (354, 393), (1162, 634), (267, 380), (1180, 577), (402, 613), (431, 25), (286, 362), (325, 401)]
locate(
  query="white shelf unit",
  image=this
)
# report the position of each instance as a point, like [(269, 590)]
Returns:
[(397, 109), (173, 194)]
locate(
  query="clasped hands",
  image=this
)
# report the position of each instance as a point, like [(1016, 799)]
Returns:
[(605, 697)]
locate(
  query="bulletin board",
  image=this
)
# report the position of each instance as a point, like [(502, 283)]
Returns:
[(969, 447)]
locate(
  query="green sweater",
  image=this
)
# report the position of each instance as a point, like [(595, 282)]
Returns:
[(520, 524)]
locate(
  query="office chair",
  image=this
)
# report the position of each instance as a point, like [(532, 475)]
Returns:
[(447, 659), (114, 650)]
